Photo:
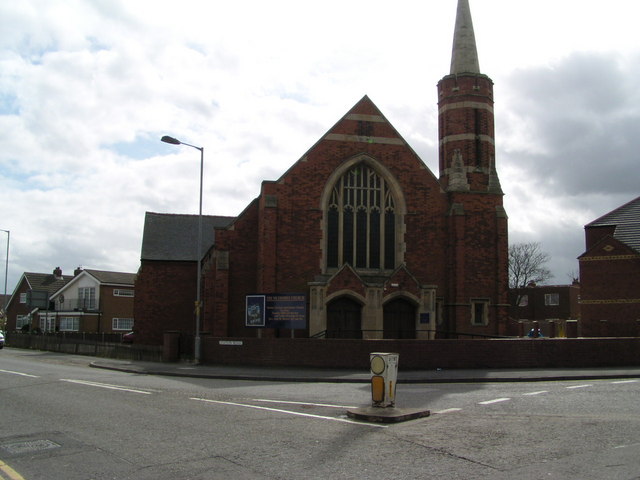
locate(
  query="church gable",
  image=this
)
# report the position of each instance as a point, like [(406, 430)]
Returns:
[(402, 281), (608, 248), (364, 123), (363, 130), (347, 201), (345, 280)]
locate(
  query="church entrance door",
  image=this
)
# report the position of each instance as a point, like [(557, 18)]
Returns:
[(344, 319), (399, 319)]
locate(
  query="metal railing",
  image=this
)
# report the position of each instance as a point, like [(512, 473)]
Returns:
[(76, 304)]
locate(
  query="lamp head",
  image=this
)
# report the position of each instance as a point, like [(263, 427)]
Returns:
[(171, 140)]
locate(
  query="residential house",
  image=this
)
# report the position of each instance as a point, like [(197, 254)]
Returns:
[(90, 301), (554, 309), (31, 295)]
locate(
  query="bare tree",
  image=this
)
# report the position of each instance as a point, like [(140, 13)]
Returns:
[(527, 264), (574, 277)]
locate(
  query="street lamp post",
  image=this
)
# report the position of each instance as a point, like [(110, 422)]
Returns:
[(198, 304), (6, 271)]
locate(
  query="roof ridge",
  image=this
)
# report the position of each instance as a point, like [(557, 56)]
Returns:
[(188, 215)]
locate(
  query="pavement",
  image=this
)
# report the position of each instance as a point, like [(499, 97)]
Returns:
[(301, 374)]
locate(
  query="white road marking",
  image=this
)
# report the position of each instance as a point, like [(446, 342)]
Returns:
[(495, 400), (579, 386), (19, 373), (447, 410), (536, 393), (288, 402), (626, 381), (627, 446), (256, 407), (106, 385)]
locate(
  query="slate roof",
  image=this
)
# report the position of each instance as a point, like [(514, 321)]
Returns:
[(47, 281), (113, 278), (172, 237), (626, 219)]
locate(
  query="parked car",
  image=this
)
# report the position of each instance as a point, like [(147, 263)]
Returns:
[(128, 337), (1, 340)]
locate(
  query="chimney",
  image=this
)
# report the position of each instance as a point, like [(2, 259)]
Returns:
[(77, 271), (57, 272)]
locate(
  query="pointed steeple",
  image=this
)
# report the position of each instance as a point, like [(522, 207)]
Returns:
[(466, 123), (464, 56)]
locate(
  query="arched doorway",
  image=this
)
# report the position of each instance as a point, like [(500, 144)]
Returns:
[(399, 319), (344, 319)]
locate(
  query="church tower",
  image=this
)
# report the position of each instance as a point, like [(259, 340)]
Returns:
[(478, 246), (466, 126)]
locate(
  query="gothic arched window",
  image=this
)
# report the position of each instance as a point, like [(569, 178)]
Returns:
[(361, 223)]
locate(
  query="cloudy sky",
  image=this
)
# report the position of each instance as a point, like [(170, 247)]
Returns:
[(88, 87)]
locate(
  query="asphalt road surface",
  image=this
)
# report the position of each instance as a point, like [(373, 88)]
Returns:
[(60, 419)]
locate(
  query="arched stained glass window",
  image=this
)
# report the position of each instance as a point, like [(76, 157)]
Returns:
[(361, 221)]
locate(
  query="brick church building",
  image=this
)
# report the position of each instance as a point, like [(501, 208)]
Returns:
[(375, 243)]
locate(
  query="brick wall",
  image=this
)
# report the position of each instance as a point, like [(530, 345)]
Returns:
[(610, 292), (114, 306), (16, 308), (418, 354), (164, 299)]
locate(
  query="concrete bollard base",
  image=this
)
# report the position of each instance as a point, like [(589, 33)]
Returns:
[(386, 415)]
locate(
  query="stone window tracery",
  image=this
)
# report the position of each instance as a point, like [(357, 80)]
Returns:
[(361, 221)]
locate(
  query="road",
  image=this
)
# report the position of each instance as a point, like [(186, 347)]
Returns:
[(60, 419)]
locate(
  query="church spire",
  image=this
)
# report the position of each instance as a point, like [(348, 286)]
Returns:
[(466, 123), (464, 56)]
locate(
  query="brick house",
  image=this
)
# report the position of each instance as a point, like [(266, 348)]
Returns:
[(93, 301), (554, 309), (610, 274), (376, 244), (21, 308)]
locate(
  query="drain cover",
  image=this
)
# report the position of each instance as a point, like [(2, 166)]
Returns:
[(29, 446)]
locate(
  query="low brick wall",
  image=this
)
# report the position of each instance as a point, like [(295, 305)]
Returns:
[(425, 354), (84, 347)]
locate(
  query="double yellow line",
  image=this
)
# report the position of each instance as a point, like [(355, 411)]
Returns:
[(7, 472)]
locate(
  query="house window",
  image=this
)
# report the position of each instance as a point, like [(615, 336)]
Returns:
[(479, 312), (21, 321), (47, 323), (122, 324), (552, 299), (361, 221), (87, 298), (23, 297), (524, 301), (69, 324), (119, 292)]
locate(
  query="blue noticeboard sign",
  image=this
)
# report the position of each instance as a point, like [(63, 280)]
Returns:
[(276, 310)]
